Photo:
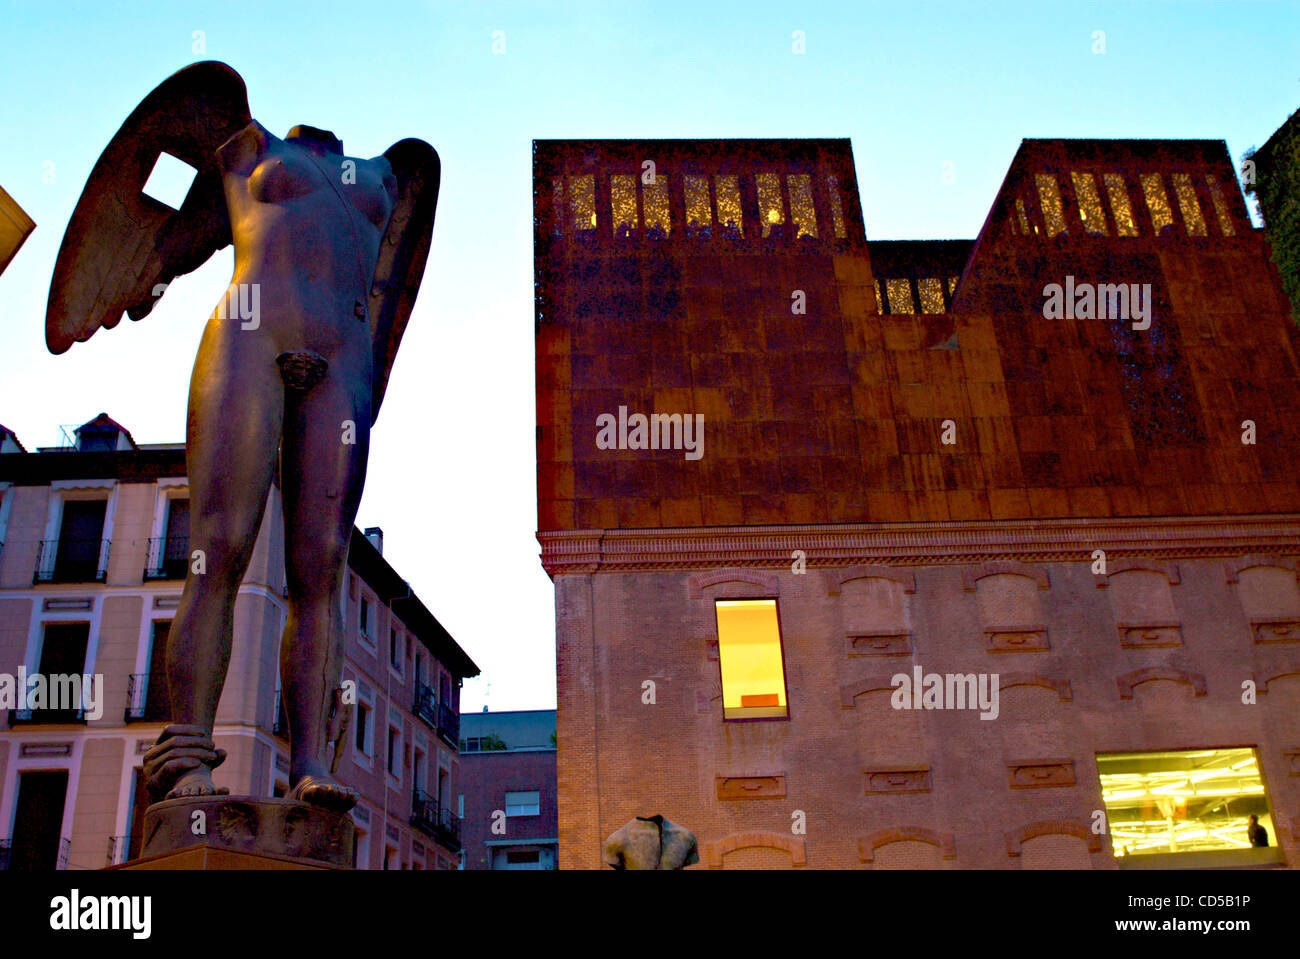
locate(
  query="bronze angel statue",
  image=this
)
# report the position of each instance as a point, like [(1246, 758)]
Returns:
[(293, 363)]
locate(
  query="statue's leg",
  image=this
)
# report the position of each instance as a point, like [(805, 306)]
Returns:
[(235, 414), (323, 467)]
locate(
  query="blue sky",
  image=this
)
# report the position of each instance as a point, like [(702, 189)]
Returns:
[(452, 470)]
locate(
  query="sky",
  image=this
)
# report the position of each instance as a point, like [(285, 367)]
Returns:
[(935, 97)]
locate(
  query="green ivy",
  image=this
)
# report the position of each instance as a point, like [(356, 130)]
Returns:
[(1276, 188)]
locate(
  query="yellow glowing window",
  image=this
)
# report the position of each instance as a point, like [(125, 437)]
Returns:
[(582, 201), (880, 304), (900, 296), (1162, 217), (1220, 205), (1120, 209), (837, 207), (952, 285), (769, 201), (699, 209), (802, 212), (557, 208), (931, 290), (729, 216), (749, 652), (1022, 216), (1085, 191), (1049, 198), (654, 204), (622, 201), (1185, 801), (1191, 210)]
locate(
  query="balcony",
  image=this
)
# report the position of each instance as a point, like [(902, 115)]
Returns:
[(281, 725), (46, 717), (122, 849), (449, 725), (72, 561), (169, 558), (433, 820), (426, 704), (145, 701)]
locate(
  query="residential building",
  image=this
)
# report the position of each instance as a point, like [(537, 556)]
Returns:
[(953, 554), (507, 783), (96, 548)]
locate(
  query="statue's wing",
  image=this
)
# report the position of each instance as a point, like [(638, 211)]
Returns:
[(120, 244), (402, 254)]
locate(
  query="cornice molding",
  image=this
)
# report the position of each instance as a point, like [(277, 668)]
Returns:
[(917, 544)]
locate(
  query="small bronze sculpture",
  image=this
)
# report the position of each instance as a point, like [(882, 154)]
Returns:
[(651, 842), (329, 253)]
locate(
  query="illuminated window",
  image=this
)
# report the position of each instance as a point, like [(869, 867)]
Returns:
[(1049, 198), (654, 205), (1192, 801), (622, 201), (931, 290), (1162, 217), (1220, 205), (699, 211), (769, 201), (1085, 191), (557, 207), (749, 653), (1120, 209), (900, 296), (582, 202), (1022, 216), (837, 208), (880, 304), (729, 216), (802, 212), (952, 285), (1191, 210)]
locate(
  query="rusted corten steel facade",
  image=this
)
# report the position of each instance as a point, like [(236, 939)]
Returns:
[(947, 460)]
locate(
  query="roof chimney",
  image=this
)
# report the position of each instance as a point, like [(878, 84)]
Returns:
[(376, 537)]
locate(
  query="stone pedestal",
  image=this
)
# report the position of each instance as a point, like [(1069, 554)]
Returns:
[(244, 832)]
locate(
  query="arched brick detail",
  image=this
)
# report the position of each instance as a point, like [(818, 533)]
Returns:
[(867, 845), (714, 851), (1169, 570), (697, 583), (1047, 827), (1128, 681), (1062, 686), (973, 574), (1233, 568), (851, 691), (835, 579), (1263, 678)]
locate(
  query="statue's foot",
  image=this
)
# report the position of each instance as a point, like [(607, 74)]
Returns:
[(321, 790), (197, 782)]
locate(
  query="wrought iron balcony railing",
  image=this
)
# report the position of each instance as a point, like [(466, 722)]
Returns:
[(449, 725), (424, 812), (46, 717), (65, 847), (146, 701), (122, 849), (448, 830), (72, 561), (169, 558), (426, 704)]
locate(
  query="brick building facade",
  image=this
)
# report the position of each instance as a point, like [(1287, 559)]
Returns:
[(93, 558), (917, 461)]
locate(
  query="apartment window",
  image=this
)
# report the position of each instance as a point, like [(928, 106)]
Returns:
[(395, 650), (1153, 188), (699, 206), (837, 208), (622, 199), (1220, 205), (1085, 191), (38, 821), (803, 213), (730, 218), (582, 202), (770, 212), (79, 556), (63, 653), (157, 700), (1049, 199), (525, 803), (1187, 203), (523, 857), (365, 618), (1180, 802), (654, 206), (365, 725), (394, 742), (173, 554), (749, 656), (1120, 208)]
